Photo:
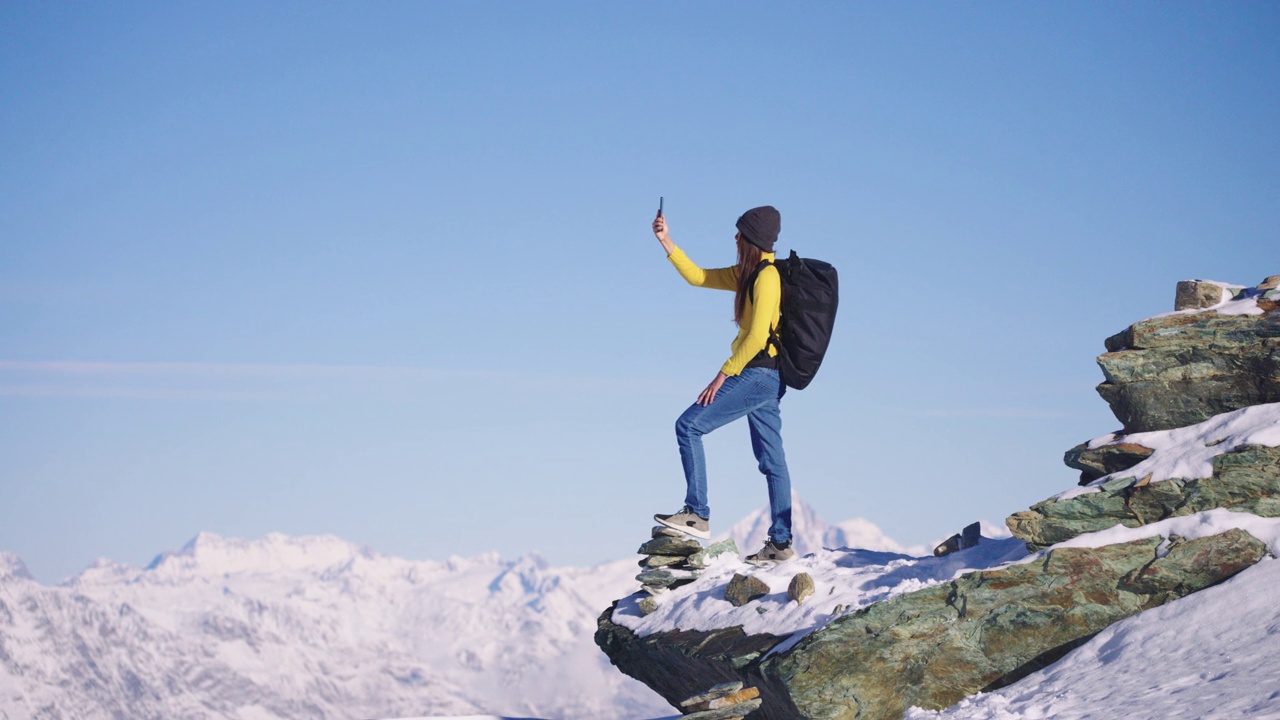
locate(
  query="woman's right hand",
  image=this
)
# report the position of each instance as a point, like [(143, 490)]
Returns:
[(660, 232)]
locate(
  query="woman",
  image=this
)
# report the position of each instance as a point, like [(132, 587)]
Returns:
[(747, 385)]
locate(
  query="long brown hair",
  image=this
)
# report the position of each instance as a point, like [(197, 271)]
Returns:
[(748, 258)]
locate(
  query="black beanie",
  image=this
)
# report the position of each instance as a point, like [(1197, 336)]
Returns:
[(760, 226)]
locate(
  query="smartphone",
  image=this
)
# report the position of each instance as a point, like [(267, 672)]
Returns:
[(659, 206)]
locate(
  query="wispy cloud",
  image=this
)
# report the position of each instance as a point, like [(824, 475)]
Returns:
[(982, 412), (258, 381), (87, 368)]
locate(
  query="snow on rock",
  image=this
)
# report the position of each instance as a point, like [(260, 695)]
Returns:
[(845, 580), (1209, 655), (1236, 300), (1188, 452), (1197, 525)]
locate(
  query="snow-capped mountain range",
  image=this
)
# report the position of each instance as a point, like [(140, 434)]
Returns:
[(312, 627), (317, 627)]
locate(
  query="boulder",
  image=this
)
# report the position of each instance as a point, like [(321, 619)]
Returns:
[(1197, 294), (1104, 460), (1179, 370), (742, 589), (1245, 480), (666, 577), (1271, 283), (666, 545), (680, 663), (801, 587), (659, 561), (933, 647)]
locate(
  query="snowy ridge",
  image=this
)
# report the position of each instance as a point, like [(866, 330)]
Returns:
[(812, 533), (314, 627), (12, 566)]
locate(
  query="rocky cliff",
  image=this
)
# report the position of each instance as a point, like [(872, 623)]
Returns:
[(1168, 506)]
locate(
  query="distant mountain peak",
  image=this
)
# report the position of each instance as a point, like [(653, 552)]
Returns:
[(810, 532), (11, 566), (211, 554)]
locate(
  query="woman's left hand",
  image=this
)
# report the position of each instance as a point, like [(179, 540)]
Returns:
[(710, 393)]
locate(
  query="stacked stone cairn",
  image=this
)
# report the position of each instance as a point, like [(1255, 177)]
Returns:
[(671, 560), (726, 701)]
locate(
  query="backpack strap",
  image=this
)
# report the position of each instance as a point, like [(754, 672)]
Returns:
[(773, 340), (751, 281)]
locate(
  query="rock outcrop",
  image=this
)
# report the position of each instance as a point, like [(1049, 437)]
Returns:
[(983, 630), (1181, 369), (1246, 480), (933, 647)]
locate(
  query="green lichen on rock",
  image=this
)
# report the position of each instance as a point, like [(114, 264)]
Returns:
[(934, 647), (1178, 370), (665, 545), (1093, 463), (1247, 480)]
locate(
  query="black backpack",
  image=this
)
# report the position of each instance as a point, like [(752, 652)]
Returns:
[(810, 293)]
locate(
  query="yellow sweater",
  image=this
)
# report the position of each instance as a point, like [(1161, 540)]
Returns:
[(757, 317)]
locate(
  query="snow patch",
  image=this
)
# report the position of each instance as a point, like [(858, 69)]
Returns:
[(845, 580), (1188, 452)]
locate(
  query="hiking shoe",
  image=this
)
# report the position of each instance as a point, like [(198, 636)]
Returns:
[(687, 522), (771, 554)]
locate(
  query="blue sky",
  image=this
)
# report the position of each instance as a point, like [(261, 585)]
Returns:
[(384, 270)]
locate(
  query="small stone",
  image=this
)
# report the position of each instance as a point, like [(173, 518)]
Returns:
[(947, 546), (1196, 295), (648, 605), (740, 696), (664, 531), (715, 692), (703, 557), (657, 561), (666, 577), (801, 587), (665, 545), (727, 713), (839, 609), (1270, 283), (761, 609), (742, 589)]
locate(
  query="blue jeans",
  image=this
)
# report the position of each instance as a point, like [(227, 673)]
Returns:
[(754, 393)]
